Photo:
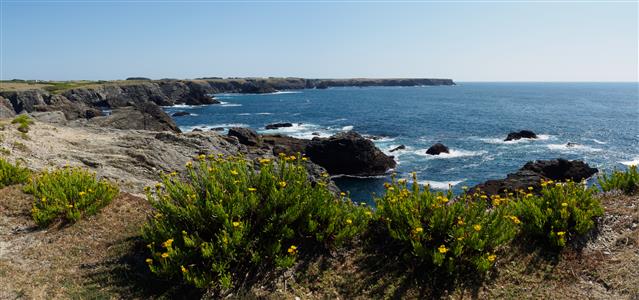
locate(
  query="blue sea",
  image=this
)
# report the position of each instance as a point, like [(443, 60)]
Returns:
[(472, 119)]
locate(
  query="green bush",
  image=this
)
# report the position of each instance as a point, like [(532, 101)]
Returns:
[(23, 122), (625, 181), (12, 174), (444, 232), (561, 211), (226, 216), (68, 194)]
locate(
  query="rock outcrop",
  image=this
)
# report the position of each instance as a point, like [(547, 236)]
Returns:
[(437, 149), (278, 125), (144, 116), (6, 109), (532, 174), (245, 136), (400, 147), (181, 114), (524, 134), (349, 153)]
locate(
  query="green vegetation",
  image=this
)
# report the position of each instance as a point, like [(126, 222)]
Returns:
[(67, 195), (23, 122), (441, 231), (625, 181), (227, 217), (57, 87), (561, 211), (11, 174)]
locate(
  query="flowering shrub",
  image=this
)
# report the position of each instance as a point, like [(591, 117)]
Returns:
[(12, 174), (562, 210), (229, 214), (443, 232), (67, 194), (627, 182)]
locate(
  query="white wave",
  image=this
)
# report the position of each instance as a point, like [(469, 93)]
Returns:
[(439, 185), (599, 142), (381, 139), (300, 130), (283, 92), (264, 113), (205, 127), (358, 176), (181, 106), (347, 128), (387, 149), (498, 140), (453, 154), (337, 120), (634, 162), (572, 148), (227, 104)]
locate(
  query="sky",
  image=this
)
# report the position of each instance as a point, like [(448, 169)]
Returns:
[(463, 40)]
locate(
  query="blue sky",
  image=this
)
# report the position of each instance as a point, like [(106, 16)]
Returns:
[(466, 41)]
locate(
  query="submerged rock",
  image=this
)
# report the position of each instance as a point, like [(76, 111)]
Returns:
[(181, 114), (437, 149), (524, 134), (278, 125), (400, 147), (533, 172)]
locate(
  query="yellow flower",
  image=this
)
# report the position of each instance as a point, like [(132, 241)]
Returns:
[(265, 161), (477, 227), (292, 249), (561, 233), (44, 199), (442, 249), (252, 189), (233, 172), (460, 221), (173, 174), (515, 219), (530, 188), (168, 243), (282, 184), (564, 204), (70, 205), (292, 157), (324, 174), (491, 258), (184, 270), (304, 158), (149, 261), (419, 230), (401, 181), (342, 194), (349, 221), (369, 213), (201, 157), (165, 255), (236, 224), (82, 194), (484, 197), (529, 195), (158, 186), (189, 165)]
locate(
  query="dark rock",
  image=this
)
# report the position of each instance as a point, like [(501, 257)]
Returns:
[(245, 136), (285, 144), (570, 145), (278, 125), (92, 113), (437, 149), (6, 109), (196, 130), (321, 86), (145, 116), (524, 134), (181, 114), (349, 153), (315, 133), (532, 173), (400, 147), (217, 129)]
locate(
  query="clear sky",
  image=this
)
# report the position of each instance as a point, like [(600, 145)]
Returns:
[(465, 41)]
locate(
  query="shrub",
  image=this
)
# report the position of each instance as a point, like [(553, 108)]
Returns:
[(68, 194), (444, 232), (625, 181), (561, 211), (23, 122), (226, 216), (12, 174)]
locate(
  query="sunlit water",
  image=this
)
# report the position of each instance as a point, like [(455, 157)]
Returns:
[(472, 119)]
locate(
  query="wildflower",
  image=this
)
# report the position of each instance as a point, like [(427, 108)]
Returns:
[(460, 221), (282, 184), (477, 227), (349, 221), (189, 165), (484, 197), (158, 215), (70, 205), (529, 195), (265, 161), (184, 270), (491, 258), (530, 188), (369, 213), (252, 189), (168, 243), (401, 181), (236, 224), (149, 261), (173, 174), (304, 158), (496, 201), (165, 255), (561, 234), (442, 249), (324, 174), (292, 157), (82, 194), (233, 172), (210, 170), (342, 194), (147, 189), (460, 238), (419, 230), (158, 186), (44, 199), (564, 204), (515, 219), (292, 250), (201, 157)]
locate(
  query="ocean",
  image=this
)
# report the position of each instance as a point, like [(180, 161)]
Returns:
[(472, 119)]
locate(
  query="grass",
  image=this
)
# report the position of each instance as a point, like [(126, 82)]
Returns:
[(11, 174), (23, 122)]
